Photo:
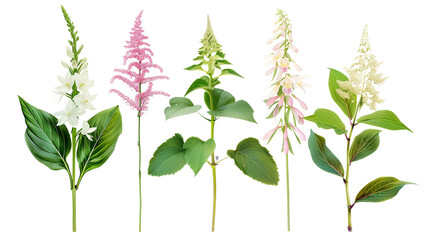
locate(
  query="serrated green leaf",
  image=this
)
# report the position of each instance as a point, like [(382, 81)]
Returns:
[(200, 83), (380, 189), (168, 158), (348, 106), (197, 152), (48, 143), (323, 157), (228, 71), (255, 161), (93, 154), (364, 144), (327, 119), (195, 67), (180, 106), (384, 119)]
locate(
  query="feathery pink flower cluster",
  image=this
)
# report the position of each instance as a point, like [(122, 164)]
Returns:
[(282, 94), (136, 73)]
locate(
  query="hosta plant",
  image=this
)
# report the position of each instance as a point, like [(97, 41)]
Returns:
[(249, 156), (351, 94), (137, 75), (92, 142)]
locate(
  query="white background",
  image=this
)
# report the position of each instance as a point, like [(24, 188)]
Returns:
[(35, 202)]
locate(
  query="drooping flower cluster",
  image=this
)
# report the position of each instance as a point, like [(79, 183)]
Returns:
[(136, 73), (75, 85), (285, 82), (363, 75)]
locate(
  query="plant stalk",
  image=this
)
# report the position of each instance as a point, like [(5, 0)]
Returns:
[(140, 160), (213, 165), (346, 181), (74, 178), (287, 190)]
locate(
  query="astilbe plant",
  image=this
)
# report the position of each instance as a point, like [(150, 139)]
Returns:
[(351, 94), (249, 156), (48, 138), (139, 59), (281, 98)]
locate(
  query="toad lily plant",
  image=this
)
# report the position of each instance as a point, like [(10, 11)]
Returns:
[(48, 137), (283, 92), (135, 76), (249, 156), (351, 94)]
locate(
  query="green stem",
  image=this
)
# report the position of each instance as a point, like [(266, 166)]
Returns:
[(140, 179), (287, 190), (346, 180), (213, 162), (74, 177)]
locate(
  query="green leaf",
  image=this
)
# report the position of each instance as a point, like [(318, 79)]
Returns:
[(195, 67), (50, 144), (384, 119), (323, 157), (197, 152), (222, 62), (93, 154), (199, 58), (220, 98), (200, 83), (255, 161), (168, 158), (180, 106), (348, 106), (380, 189), (228, 71), (364, 144), (327, 119)]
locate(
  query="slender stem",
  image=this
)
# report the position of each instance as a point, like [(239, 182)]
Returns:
[(74, 178), (213, 162), (140, 160), (287, 190), (349, 207)]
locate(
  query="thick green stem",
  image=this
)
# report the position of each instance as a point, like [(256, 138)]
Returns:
[(74, 178), (140, 179), (287, 190)]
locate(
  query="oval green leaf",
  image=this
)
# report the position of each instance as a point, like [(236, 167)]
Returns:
[(364, 144), (323, 157), (197, 152), (50, 144), (380, 189), (200, 83), (180, 106), (327, 119), (255, 161), (348, 106), (384, 119), (93, 154), (168, 158)]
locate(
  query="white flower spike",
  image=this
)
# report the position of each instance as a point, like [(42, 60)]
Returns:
[(86, 130)]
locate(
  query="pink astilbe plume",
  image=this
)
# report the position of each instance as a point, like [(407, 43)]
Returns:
[(139, 58)]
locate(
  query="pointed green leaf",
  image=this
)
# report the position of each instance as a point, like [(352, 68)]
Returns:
[(180, 106), (384, 119), (228, 71), (195, 67), (199, 58), (168, 158), (197, 152), (327, 119), (348, 106), (364, 144), (323, 157), (50, 144), (220, 98), (255, 161), (239, 110), (222, 62), (93, 154), (380, 189), (200, 83)]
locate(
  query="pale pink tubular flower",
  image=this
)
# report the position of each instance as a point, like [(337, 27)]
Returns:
[(300, 134), (139, 56), (270, 133)]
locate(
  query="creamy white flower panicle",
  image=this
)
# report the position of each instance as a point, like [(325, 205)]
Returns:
[(363, 75)]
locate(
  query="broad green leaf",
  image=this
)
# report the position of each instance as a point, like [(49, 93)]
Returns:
[(220, 98), (384, 119), (380, 189), (50, 144), (169, 158), (348, 106), (228, 71), (364, 144), (195, 67), (200, 83), (323, 157), (93, 154), (197, 152), (255, 161), (180, 106), (327, 119)]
